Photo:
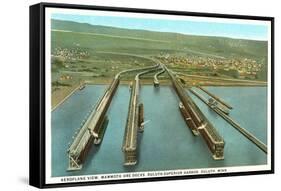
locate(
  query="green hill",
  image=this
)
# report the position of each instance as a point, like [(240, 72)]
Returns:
[(105, 38)]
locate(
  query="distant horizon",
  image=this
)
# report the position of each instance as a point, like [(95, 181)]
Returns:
[(184, 27)]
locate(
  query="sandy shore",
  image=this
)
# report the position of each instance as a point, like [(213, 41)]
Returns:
[(59, 96)]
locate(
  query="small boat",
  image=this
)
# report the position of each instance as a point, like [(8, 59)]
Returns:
[(215, 105)]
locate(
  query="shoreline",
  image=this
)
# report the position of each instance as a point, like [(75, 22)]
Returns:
[(167, 82), (58, 100)]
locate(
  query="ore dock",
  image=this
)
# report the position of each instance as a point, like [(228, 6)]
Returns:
[(196, 120)]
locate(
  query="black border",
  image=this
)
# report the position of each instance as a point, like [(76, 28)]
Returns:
[(37, 92)]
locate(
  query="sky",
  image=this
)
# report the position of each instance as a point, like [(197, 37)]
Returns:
[(239, 31)]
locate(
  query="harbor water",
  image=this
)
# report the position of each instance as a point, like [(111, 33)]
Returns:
[(166, 143)]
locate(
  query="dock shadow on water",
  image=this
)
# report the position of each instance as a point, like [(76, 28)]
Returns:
[(91, 155)]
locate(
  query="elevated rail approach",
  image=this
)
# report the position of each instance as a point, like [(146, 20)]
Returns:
[(156, 81)]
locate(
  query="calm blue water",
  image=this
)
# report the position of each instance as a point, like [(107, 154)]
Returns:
[(166, 143)]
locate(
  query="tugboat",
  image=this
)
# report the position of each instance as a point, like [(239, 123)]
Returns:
[(214, 104)]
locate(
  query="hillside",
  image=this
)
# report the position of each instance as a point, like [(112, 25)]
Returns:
[(146, 42), (91, 53)]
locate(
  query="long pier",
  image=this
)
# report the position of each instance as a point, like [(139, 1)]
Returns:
[(215, 97), (135, 121), (243, 131), (92, 129), (196, 120)]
